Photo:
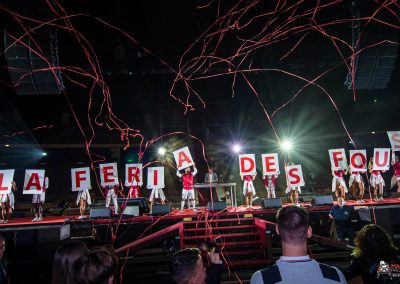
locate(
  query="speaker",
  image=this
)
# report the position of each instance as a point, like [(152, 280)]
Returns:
[(216, 205), (160, 209), (23, 63), (100, 212), (131, 211), (322, 200), (272, 203)]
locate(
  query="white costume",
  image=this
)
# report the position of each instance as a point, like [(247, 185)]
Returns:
[(112, 195), (355, 177), (376, 179), (157, 193), (340, 180), (41, 197), (8, 197), (248, 186), (85, 195), (269, 183)]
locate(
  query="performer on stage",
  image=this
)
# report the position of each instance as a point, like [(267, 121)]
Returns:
[(112, 193), (188, 191), (7, 203), (376, 181), (396, 170), (338, 184), (210, 177), (157, 193), (269, 183), (293, 191), (248, 188), (83, 199), (134, 191), (38, 201), (356, 182)]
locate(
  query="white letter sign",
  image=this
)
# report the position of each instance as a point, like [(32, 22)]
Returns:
[(183, 158)]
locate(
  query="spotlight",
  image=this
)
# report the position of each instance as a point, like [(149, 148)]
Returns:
[(44, 154), (286, 145), (162, 151), (372, 132), (7, 145), (236, 148)]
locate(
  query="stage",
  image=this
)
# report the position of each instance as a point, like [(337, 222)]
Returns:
[(246, 236), (199, 212)]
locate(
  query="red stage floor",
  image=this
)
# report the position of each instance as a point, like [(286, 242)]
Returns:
[(180, 214)]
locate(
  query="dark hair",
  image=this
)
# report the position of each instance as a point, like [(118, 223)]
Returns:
[(293, 223), (97, 266), (373, 243), (64, 260), (182, 264)]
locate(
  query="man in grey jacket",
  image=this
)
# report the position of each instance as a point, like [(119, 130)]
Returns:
[(295, 266)]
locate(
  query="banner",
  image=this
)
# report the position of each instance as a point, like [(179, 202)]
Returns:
[(294, 175), (247, 164), (133, 174), (80, 179), (358, 160), (338, 159), (394, 137), (108, 174), (6, 177), (155, 177), (270, 164), (183, 158), (33, 182), (381, 159)]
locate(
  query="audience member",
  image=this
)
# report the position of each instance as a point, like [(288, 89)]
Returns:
[(4, 277), (98, 266), (187, 267), (295, 266), (341, 214), (64, 259), (372, 246)]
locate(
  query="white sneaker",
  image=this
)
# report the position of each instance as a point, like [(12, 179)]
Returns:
[(82, 217), (39, 219), (6, 221), (35, 219), (2, 221)]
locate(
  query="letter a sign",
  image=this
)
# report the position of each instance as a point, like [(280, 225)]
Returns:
[(183, 158)]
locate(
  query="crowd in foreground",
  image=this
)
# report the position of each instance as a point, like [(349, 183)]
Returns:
[(373, 260)]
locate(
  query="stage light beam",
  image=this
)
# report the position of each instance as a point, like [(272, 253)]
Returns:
[(287, 145), (162, 151), (236, 148)]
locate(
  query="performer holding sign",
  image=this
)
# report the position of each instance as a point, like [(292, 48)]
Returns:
[(80, 180), (7, 200), (338, 184), (83, 199), (376, 166), (187, 190), (269, 183), (112, 194), (247, 166), (270, 173), (339, 169), (38, 201), (356, 181), (184, 160), (396, 171), (155, 182), (358, 166), (295, 179), (248, 188)]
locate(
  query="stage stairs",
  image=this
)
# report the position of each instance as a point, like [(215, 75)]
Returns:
[(242, 241)]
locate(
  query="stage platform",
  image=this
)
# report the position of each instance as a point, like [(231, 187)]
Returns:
[(178, 215)]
